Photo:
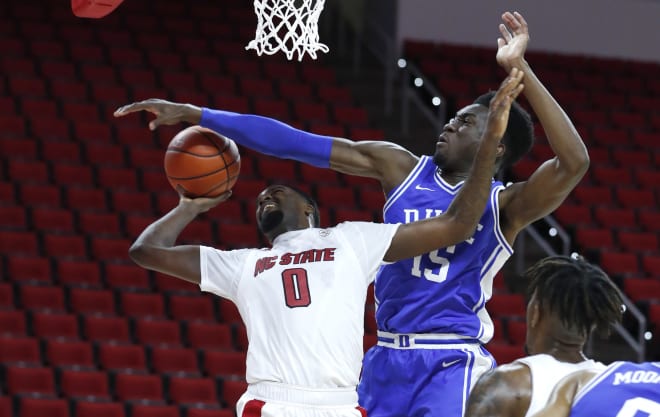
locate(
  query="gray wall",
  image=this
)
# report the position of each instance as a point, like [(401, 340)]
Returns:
[(609, 28)]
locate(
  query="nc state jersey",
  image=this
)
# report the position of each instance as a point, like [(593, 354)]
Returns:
[(444, 291), (302, 301), (624, 389)]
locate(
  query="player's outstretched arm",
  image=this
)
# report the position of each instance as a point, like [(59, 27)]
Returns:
[(385, 161), (525, 202), (154, 249), (501, 392), (460, 220)]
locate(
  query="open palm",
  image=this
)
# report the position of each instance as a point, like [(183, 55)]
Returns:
[(512, 45)]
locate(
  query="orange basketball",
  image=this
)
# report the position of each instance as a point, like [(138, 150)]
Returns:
[(202, 163)]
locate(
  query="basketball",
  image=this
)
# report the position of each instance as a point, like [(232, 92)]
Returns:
[(202, 163)]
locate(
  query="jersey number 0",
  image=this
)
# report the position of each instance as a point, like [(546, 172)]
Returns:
[(296, 287)]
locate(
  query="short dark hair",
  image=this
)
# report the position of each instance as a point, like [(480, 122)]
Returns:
[(308, 198), (578, 292), (519, 135)]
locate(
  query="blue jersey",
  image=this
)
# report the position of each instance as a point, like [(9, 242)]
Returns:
[(624, 389), (444, 291)]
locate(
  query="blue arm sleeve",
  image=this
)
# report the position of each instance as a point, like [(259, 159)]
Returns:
[(270, 136)]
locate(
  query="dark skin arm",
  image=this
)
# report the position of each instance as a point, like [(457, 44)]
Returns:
[(462, 216), (154, 249), (502, 392), (525, 202)]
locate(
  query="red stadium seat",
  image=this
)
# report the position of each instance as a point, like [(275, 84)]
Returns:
[(506, 305), (105, 329), (236, 236), (650, 219), (594, 238), (277, 169), (232, 391), (96, 409), (138, 387), (209, 336), (142, 305), (114, 357), (29, 269), (30, 407), (106, 154), (54, 325), (158, 332), (223, 363), (166, 283), (642, 289), (192, 391), (99, 224), (12, 322), (29, 380), (129, 276), (139, 410), (91, 301), (78, 272), (209, 412), (593, 195), (19, 350), (28, 171), (335, 196), (619, 263), (174, 360), (516, 331), (505, 353), (616, 218), (651, 265), (611, 176), (228, 311), (117, 178), (86, 198), (311, 112), (53, 219), (41, 298), (71, 174), (571, 214), (79, 384), (61, 152), (638, 242), (353, 116), (65, 246), (183, 307), (632, 198), (132, 202), (34, 195), (69, 353), (110, 249)]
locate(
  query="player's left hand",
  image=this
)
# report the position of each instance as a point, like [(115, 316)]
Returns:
[(203, 204), (512, 45)]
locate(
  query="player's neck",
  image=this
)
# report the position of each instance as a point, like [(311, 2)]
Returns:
[(452, 177), (565, 352)]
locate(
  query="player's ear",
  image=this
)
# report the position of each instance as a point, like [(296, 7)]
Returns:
[(534, 315), (501, 148)]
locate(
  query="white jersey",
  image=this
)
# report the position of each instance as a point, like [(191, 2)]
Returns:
[(546, 372), (302, 301)]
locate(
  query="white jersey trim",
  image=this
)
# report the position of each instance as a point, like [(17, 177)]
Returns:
[(595, 381), (398, 191), (495, 202)]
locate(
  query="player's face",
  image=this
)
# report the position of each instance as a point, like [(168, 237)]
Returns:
[(278, 207), (459, 140)]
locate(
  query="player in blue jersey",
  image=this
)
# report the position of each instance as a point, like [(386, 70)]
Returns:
[(431, 314), (623, 389), (569, 300)]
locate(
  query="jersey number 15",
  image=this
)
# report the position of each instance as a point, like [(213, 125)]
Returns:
[(437, 274)]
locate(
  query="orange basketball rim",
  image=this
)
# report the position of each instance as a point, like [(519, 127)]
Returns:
[(94, 8)]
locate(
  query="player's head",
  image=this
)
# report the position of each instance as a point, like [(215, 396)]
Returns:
[(568, 299), (460, 139), (282, 208)]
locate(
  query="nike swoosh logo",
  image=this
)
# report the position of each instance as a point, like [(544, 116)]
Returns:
[(419, 187), (448, 364)]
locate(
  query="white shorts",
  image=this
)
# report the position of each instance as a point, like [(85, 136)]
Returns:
[(267, 399)]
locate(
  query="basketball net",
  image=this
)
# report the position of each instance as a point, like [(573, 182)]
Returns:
[(283, 26)]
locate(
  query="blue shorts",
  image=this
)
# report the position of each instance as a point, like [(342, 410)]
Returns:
[(421, 382)]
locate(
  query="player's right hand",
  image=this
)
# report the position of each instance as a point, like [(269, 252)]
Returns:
[(166, 112), (500, 104), (203, 204)]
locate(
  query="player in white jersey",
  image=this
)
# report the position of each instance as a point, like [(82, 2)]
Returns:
[(623, 389), (302, 300), (569, 299)]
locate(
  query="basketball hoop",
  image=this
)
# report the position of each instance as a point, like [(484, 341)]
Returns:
[(284, 26)]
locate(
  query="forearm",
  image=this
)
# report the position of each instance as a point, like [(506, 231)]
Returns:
[(560, 131), (164, 231), (468, 205), (270, 136)]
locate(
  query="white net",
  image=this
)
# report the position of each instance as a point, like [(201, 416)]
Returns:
[(290, 26)]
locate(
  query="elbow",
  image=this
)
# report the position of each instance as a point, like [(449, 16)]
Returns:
[(464, 228), (140, 254)]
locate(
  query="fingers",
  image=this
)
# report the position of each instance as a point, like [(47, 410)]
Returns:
[(510, 88), (134, 107), (506, 35), (515, 21), (222, 197), (500, 43)]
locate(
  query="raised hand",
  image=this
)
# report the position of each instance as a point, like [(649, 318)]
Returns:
[(166, 112), (512, 45), (202, 204), (500, 104)]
